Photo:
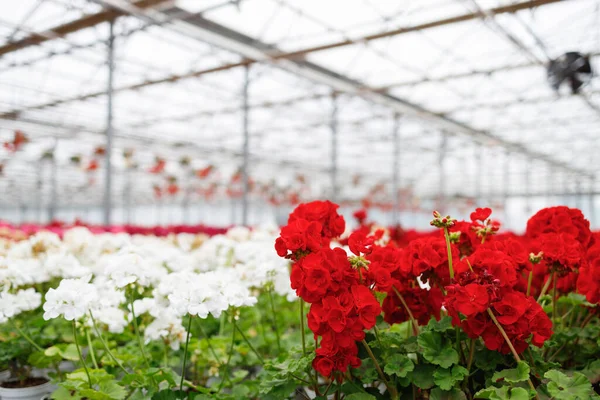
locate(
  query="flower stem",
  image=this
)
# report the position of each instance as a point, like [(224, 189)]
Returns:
[(80, 355), (302, 316), (471, 354), (99, 334), (230, 352), (166, 354), (410, 314), (554, 300), (529, 280), (29, 339), (510, 346), (262, 361), (89, 341), (449, 249), (137, 330), (391, 389), (210, 347), (185, 351), (274, 319), (546, 286)]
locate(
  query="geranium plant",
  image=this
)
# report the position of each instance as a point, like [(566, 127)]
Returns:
[(463, 313)]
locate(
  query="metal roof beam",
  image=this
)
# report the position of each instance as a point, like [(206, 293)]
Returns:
[(125, 8), (71, 27), (228, 39)]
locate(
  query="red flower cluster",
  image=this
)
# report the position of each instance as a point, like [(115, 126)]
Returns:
[(521, 317), (421, 302), (588, 282), (342, 306), (494, 282), (565, 220), (310, 227), (340, 320), (486, 296), (428, 258), (562, 235)]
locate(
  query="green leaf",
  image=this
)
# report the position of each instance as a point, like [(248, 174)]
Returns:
[(399, 365), (513, 375), (113, 390), (40, 360), (70, 353), (503, 393), (422, 376), (563, 387), (442, 325), (64, 394), (436, 350), (447, 378), (574, 299), (168, 395), (202, 397), (360, 396), (454, 394)]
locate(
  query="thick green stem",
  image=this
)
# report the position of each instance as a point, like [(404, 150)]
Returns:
[(166, 354), (99, 334), (546, 286), (511, 347), (137, 329), (391, 389), (449, 250), (529, 280), (29, 339), (471, 354), (554, 300), (211, 348), (185, 351), (87, 372), (89, 341), (302, 316), (262, 361), (230, 352), (410, 314), (275, 327)]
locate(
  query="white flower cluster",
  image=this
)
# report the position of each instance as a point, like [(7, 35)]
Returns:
[(177, 275), (14, 304)]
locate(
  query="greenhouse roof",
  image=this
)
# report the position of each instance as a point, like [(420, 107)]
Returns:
[(462, 82)]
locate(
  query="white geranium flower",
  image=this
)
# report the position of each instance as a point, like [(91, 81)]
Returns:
[(114, 318), (15, 272), (28, 299), (238, 233), (109, 296), (127, 267), (167, 328), (44, 242), (65, 265), (72, 299), (14, 304)]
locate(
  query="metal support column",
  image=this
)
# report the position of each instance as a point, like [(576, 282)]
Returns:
[(527, 185), (578, 194), (506, 184), (334, 146), (39, 185), (245, 146), (592, 202), (478, 175), (442, 206), (109, 127), (396, 171), (127, 195), (551, 178), (53, 182)]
